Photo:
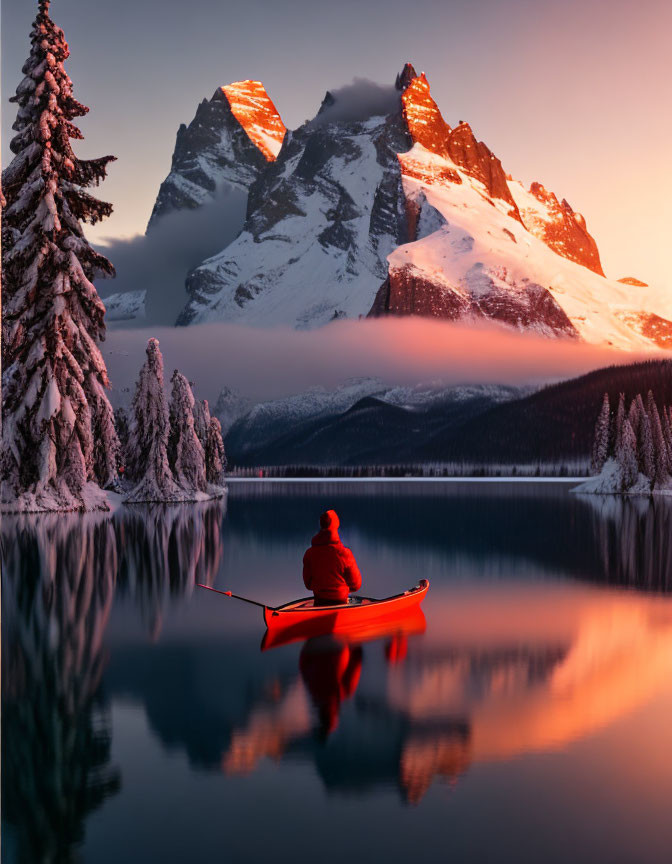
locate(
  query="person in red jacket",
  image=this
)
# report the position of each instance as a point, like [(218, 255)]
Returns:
[(329, 568)]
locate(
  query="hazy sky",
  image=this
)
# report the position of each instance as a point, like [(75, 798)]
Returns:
[(574, 94)]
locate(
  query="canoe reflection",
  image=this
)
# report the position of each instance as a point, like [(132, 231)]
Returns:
[(373, 745)]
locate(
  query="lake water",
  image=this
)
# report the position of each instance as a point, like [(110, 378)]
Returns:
[(528, 718)]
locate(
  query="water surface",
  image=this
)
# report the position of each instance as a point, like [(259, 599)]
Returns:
[(526, 719)]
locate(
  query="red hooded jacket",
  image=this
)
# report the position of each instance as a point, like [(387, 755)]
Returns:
[(329, 568)]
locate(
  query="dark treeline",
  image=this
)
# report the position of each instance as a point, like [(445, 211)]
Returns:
[(556, 423)]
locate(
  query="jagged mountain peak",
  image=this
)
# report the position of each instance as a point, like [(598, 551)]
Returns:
[(405, 77), (252, 107), (230, 141), (428, 128)]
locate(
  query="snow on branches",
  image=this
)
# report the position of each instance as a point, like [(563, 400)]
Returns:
[(186, 455), (215, 457), (148, 439), (165, 457), (632, 451), (59, 446)]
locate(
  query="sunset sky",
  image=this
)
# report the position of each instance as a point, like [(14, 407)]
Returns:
[(572, 94)]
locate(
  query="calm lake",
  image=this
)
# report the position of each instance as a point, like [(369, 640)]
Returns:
[(527, 719)]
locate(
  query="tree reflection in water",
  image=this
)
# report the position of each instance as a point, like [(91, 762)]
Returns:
[(165, 550), (502, 670), (59, 578), (56, 730), (634, 538)]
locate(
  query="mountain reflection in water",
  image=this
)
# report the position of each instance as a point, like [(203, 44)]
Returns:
[(531, 645)]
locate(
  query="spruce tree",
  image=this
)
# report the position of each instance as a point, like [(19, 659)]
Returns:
[(123, 426), (626, 457), (215, 456), (202, 420), (185, 452), (645, 452), (667, 436), (601, 440), (58, 430), (660, 454), (618, 424), (634, 415), (148, 443)]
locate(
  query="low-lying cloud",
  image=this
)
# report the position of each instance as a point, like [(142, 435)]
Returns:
[(265, 364), (359, 101), (158, 262)]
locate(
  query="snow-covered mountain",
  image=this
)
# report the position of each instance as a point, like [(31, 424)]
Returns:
[(386, 209), (321, 223), (230, 141), (268, 427)]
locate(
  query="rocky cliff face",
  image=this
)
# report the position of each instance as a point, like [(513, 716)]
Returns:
[(231, 140), (527, 306), (321, 222), (557, 225)]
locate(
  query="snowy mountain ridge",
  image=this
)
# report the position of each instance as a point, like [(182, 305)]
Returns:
[(264, 422), (396, 213)]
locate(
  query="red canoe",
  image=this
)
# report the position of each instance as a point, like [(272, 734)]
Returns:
[(409, 622), (357, 612), (361, 618)]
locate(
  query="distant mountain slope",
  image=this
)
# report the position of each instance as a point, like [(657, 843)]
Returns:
[(363, 422), (482, 425)]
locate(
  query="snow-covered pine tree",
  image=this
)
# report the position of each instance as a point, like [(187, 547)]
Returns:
[(215, 456), (148, 444), (618, 423), (634, 415), (660, 455), (645, 451), (626, 457), (185, 453), (667, 436), (601, 440), (58, 430), (201, 420), (122, 424)]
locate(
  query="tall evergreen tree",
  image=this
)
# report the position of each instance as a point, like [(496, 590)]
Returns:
[(58, 430), (667, 435), (660, 454), (634, 414), (601, 440), (122, 424), (626, 456), (215, 457), (618, 424), (185, 452), (202, 420), (148, 444), (645, 451)]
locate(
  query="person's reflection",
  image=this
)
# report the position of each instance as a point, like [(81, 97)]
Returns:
[(331, 671)]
